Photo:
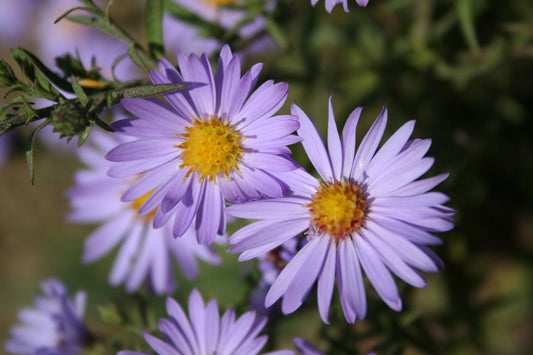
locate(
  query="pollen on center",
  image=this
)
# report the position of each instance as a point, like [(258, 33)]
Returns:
[(338, 209), (211, 147)]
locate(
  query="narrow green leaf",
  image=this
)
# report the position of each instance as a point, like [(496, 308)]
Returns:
[(85, 134), (88, 21), (52, 76), (69, 11), (466, 19), (103, 125), (24, 63), (114, 65), (7, 75), (29, 150), (136, 58), (78, 90), (154, 27), (108, 8), (152, 90)]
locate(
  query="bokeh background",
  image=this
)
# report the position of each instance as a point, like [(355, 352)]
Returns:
[(462, 68)]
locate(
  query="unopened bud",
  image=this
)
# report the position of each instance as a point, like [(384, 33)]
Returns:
[(69, 119)]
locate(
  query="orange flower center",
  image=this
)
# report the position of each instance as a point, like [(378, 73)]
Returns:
[(337, 209)]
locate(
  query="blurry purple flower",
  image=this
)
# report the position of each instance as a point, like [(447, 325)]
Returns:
[(206, 332), (14, 20), (215, 11), (270, 265), (6, 141), (306, 348), (217, 140), (53, 326), (179, 35), (368, 211), (69, 37), (330, 4), (145, 252)]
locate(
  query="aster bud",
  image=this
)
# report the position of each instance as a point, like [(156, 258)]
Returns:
[(69, 119)]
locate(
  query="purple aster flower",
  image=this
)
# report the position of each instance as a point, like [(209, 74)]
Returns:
[(270, 265), (206, 332), (69, 37), (306, 348), (14, 20), (330, 4), (53, 326), (367, 212), (146, 253), (6, 145), (217, 140), (180, 35)]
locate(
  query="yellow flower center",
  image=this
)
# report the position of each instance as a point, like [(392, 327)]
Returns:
[(211, 147), (137, 203), (338, 209)]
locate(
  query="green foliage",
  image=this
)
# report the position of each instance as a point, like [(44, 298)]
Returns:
[(154, 27)]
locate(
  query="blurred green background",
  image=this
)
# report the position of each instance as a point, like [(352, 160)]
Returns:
[(463, 69)]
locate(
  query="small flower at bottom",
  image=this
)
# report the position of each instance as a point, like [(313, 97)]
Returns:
[(205, 332), (305, 348), (53, 326), (146, 253), (330, 4), (216, 141), (367, 213)]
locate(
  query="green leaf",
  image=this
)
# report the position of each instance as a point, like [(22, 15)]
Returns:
[(85, 134), (103, 125), (29, 150), (466, 19), (88, 21), (114, 65), (154, 27), (151, 90), (135, 57), (69, 11), (7, 76), (26, 55), (110, 314), (108, 8), (78, 90), (24, 63)]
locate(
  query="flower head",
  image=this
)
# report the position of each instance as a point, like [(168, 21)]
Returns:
[(53, 326), (330, 4), (146, 253), (217, 140), (205, 332), (367, 213)]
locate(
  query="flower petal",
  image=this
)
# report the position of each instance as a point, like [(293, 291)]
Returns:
[(313, 145), (368, 146), (334, 143)]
